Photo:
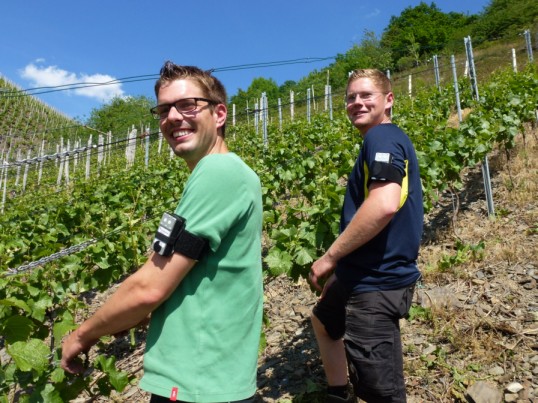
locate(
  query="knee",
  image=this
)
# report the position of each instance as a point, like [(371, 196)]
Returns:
[(317, 326)]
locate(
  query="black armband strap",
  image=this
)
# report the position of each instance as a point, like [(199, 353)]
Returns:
[(190, 245), (171, 236), (383, 171)]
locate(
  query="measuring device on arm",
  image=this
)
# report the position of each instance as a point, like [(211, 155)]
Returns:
[(171, 236)]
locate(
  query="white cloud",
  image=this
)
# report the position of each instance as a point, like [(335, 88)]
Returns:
[(91, 86), (373, 14)]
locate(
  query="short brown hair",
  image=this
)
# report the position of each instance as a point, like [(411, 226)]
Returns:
[(210, 85), (379, 78), (212, 88)]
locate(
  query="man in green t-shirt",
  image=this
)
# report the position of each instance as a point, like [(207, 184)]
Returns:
[(206, 312)]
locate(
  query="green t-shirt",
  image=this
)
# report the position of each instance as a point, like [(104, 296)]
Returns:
[(203, 341)]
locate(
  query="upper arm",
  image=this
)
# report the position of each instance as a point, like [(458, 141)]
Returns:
[(385, 196), (211, 216), (385, 168), (160, 276)]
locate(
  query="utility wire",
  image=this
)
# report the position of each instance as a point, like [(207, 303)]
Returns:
[(146, 77)]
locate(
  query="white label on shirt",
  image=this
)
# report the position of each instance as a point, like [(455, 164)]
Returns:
[(382, 157)]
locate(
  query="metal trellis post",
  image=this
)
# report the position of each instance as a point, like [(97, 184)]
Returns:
[(527, 34), (485, 164), (436, 72), (456, 87)]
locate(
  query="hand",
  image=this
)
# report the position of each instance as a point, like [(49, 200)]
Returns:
[(320, 269), (71, 348)]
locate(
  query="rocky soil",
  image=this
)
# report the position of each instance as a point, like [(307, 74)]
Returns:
[(473, 334)]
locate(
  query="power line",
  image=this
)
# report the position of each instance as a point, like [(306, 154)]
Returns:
[(146, 77)]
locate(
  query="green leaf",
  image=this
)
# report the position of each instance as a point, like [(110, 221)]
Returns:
[(118, 379), (31, 355), (269, 216), (278, 261), (61, 328), (57, 376), (304, 257), (435, 146), (103, 263), (46, 394), (12, 301), (33, 291), (17, 328), (312, 387), (39, 307)]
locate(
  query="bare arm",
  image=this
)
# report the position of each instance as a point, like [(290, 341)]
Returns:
[(369, 220), (134, 300)]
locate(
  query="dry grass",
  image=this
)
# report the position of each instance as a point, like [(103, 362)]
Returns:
[(481, 261), (516, 191)]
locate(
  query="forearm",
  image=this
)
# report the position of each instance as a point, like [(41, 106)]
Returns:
[(134, 300), (136, 297), (364, 226), (370, 219), (123, 311)]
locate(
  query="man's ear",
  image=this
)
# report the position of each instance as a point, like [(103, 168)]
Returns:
[(390, 100), (220, 112)]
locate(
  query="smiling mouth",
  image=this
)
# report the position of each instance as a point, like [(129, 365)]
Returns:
[(181, 133)]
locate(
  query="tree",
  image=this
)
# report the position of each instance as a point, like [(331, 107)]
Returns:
[(258, 86), (368, 54), (285, 89), (423, 29), (120, 114), (376, 55), (505, 18)]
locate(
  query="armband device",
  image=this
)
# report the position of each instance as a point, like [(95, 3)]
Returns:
[(385, 171), (171, 236)]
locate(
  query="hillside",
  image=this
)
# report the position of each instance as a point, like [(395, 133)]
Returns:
[(476, 313), (25, 120), (474, 325), (474, 322)]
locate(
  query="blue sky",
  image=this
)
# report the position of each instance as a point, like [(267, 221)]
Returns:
[(54, 43)]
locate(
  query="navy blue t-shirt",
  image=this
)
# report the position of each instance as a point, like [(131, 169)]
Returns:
[(387, 261)]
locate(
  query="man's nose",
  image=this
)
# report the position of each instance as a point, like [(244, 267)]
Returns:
[(174, 114)]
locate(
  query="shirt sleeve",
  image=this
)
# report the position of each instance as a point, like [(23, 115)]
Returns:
[(385, 158), (213, 200)]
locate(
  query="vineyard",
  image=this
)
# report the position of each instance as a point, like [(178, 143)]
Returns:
[(67, 239)]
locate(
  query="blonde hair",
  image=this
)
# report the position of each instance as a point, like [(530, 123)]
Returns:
[(380, 79)]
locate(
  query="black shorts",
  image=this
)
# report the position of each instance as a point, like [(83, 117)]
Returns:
[(369, 324), (331, 310)]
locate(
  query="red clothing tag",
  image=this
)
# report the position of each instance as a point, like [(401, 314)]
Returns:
[(173, 395)]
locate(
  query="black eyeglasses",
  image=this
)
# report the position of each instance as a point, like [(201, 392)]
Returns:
[(183, 106)]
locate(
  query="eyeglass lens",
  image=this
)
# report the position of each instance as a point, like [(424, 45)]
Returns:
[(182, 106), (363, 96)]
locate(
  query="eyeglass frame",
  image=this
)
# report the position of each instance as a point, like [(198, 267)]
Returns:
[(159, 116), (370, 95)]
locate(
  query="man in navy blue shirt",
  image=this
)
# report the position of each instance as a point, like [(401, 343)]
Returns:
[(371, 267)]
